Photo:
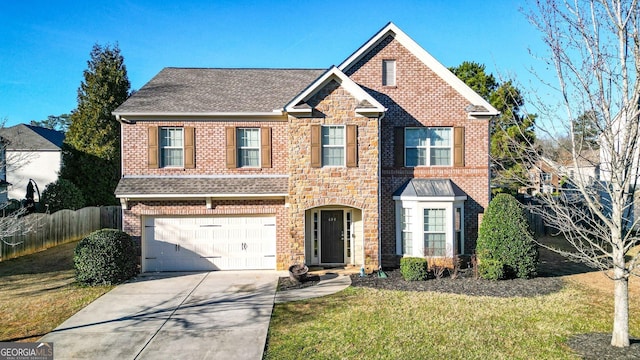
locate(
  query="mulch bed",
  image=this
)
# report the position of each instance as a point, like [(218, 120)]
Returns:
[(465, 284), (286, 283), (597, 346)]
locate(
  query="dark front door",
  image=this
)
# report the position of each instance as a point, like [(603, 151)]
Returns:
[(331, 236)]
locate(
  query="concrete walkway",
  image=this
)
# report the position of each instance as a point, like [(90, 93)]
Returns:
[(213, 315), (330, 283)]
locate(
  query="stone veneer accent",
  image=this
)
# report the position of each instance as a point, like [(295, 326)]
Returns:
[(421, 98), (312, 187)]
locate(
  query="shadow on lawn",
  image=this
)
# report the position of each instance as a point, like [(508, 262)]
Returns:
[(554, 265), (58, 258)]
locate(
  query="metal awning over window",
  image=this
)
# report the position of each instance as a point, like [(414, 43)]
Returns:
[(432, 189)]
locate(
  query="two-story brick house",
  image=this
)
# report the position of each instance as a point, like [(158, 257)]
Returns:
[(382, 156)]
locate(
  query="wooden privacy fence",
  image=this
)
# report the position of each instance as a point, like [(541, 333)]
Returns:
[(58, 228)]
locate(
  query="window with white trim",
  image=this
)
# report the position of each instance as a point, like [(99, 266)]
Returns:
[(348, 231), (435, 232), (248, 143), (406, 234), (457, 228), (428, 146), (315, 234), (388, 72), (171, 147), (333, 145)]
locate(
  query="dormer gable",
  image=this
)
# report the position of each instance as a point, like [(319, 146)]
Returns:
[(368, 106)]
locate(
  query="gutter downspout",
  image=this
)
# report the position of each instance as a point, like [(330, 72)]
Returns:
[(380, 190)]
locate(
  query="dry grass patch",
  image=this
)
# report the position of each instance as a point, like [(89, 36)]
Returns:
[(39, 292)]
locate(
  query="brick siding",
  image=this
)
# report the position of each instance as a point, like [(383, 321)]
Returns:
[(209, 148), (422, 98)]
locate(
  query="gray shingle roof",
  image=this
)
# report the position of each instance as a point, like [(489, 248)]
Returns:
[(193, 186), (190, 90), (429, 188), (29, 137)]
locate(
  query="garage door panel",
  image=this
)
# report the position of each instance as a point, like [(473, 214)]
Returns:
[(209, 243)]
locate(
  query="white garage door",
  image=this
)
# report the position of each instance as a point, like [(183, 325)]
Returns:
[(209, 243)]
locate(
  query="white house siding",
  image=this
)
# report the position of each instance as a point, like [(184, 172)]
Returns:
[(41, 166)]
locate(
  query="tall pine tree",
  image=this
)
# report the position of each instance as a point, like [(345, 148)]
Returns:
[(91, 152)]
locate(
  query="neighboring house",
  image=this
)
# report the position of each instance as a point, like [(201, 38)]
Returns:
[(585, 170), (383, 156), (544, 177), (4, 185), (549, 176), (621, 151), (32, 152)]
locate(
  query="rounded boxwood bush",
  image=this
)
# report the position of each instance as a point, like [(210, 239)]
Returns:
[(105, 257), (414, 268), (62, 194), (505, 247)]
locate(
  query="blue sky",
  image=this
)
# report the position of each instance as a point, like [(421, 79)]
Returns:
[(45, 45)]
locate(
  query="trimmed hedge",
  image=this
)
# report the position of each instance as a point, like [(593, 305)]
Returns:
[(105, 257), (505, 247), (414, 268)]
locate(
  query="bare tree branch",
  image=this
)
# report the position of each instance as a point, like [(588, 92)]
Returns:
[(594, 47)]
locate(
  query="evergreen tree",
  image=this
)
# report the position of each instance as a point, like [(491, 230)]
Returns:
[(512, 133), (60, 123), (586, 130), (91, 152)]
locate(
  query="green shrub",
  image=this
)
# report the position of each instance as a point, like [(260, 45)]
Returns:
[(62, 194), (505, 247), (105, 257), (413, 268), (491, 269)]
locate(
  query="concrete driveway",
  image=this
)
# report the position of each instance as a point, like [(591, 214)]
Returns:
[(211, 315)]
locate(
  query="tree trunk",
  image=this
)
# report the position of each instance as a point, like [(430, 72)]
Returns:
[(620, 334)]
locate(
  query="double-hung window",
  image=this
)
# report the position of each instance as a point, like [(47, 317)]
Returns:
[(333, 145), (172, 147), (248, 142), (406, 233), (428, 146), (435, 232)]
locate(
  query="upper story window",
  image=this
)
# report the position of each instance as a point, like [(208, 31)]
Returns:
[(248, 143), (428, 146), (247, 147), (171, 147), (333, 145), (389, 72)]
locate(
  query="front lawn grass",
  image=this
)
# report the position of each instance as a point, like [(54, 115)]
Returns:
[(39, 292), (364, 323)]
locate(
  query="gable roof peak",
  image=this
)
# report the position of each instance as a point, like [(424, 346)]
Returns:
[(476, 102), (367, 102), (31, 137)]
